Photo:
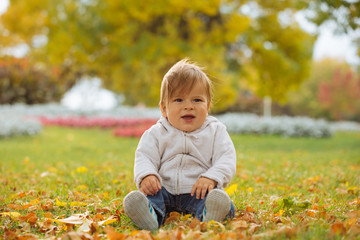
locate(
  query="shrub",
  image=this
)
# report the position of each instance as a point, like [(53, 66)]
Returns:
[(25, 82)]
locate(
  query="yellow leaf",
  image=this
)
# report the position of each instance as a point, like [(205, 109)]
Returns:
[(52, 169), (35, 201), (82, 187), (107, 221), (280, 213), (82, 169), (77, 204), (60, 204), (231, 189), (11, 214), (26, 160), (216, 226)]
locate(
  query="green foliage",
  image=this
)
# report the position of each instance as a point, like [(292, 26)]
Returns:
[(131, 44), (290, 205), (343, 14), (280, 50)]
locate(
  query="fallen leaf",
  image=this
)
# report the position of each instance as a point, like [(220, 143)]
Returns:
[(110, 220), (77, 204), (214, 225), (30, 218), (112, 235), (76, 236), (85, 227), (250, 209), (81, 169), (338, 228), (11, 214), (288, 231), (172, 217), (231, 189), (74, 219), (194, 223), (241, 225), (60, 204)]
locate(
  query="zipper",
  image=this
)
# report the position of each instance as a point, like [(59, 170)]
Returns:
[(179, 168)]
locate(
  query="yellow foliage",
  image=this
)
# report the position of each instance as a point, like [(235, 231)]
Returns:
[(60, 204), (77, 204), (11, 214), (231, 189), (81, 169)]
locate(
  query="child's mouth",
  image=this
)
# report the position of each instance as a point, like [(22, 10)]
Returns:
[(188, 117)]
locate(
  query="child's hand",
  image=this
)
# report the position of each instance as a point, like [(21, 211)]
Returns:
[(150, 185), (202, 186)]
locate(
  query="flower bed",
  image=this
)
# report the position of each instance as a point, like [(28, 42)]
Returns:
[(16, 125), (90, 122), (286, 126), (131, 121), (126, 127), (133, 131)]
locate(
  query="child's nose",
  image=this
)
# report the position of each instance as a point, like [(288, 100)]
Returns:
[(189, 105)]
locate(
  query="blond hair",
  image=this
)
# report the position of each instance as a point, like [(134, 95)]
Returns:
[(182, 77)]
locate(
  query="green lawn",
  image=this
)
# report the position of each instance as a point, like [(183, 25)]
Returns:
[(72, 171)]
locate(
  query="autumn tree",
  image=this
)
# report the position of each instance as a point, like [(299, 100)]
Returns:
[(131, 44), (327, 91), (344, 14), (340, 98), (279, 52)]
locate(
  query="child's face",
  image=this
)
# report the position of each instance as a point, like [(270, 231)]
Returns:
[(187, 111)]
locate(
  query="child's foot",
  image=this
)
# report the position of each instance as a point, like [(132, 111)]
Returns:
[(140, 211), (217, 206)]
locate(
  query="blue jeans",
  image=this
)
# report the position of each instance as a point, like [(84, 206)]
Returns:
[(164, 202)]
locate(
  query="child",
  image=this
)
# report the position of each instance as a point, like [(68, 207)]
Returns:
[(184, 161)]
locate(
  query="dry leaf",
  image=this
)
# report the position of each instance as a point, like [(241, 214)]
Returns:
[(76, 236), (240, 225), (174, 216), (74, 219), (112, 235), (111, 219), (194, 223), (11, 214), (338, 228)]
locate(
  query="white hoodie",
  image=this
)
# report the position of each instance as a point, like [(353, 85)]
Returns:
[(178, 159)]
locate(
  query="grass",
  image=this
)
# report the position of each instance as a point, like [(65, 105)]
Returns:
[(90, 170)]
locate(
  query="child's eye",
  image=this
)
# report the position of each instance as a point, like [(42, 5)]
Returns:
[(198, 100), (178, 100)]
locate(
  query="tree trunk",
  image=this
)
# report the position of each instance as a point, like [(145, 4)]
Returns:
[(267, 106)]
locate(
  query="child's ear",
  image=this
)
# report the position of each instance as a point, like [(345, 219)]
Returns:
[(163, 110)]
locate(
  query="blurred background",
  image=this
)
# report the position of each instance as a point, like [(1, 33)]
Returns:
[(295, 57)]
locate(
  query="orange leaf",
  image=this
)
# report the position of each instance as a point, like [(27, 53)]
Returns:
[(312, 213), (30, 218), (112, 235), (173, 217), (249, 209), (194, 223), (338, 228)]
